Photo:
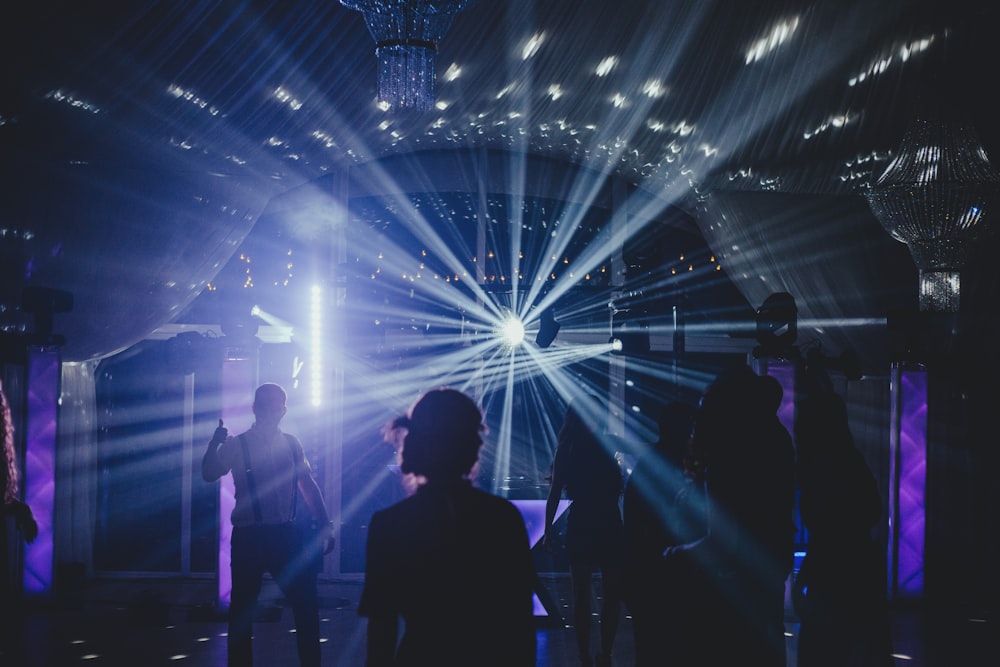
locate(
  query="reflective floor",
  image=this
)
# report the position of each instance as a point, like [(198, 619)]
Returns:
[(146, 622)]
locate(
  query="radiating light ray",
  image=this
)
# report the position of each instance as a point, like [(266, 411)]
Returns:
[(424, 231), (541, 416), (372, 245), (557, 356), (270, 318), (586, 187), (481, 309), (501, 464), (460, 366), (841, 322), (686, 378), (517, 175), (357, 502)]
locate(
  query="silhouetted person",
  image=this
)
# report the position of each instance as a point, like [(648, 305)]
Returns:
[(452, 562), (664, 506), (778, 533), (269, 468), (844, 621), (24, 521), (590, 475), (747, 555)]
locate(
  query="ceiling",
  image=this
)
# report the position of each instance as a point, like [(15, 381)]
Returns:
[(141, 143)]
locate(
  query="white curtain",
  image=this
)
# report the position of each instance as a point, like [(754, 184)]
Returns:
[(76, 467)]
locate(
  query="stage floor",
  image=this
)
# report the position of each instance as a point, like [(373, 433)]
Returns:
[(146, 622)]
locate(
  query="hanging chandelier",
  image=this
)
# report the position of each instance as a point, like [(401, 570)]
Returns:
[(407, 33), (934, 197)]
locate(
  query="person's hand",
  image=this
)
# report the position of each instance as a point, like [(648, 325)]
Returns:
[(329, 541), (220, 435), (681, 549), (24, 519), (674, 551)]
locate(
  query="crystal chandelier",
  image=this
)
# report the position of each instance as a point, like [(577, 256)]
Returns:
[(406, 35), (934, 197)]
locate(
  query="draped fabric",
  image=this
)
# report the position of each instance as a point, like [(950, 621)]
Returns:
[(829, 252), (76, 467)]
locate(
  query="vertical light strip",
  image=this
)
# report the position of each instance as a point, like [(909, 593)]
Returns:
[(908, 471), (187, 472), (316, 361), (239, 377), (40, 464)]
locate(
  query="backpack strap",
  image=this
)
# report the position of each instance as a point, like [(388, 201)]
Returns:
[(295, 477)]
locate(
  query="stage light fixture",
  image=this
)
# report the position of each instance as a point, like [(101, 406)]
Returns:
[(548, 329), (630, 337), (777, 324), (238, 323), (239, 330)]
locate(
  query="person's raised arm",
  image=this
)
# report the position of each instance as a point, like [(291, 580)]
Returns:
[(212, 467)]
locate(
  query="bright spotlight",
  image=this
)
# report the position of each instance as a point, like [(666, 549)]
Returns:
[(511, 331), (630, 338)]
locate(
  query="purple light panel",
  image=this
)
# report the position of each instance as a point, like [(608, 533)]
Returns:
[(908, 444), (239, 377), (533, 513), (784, 372), (43, 383)]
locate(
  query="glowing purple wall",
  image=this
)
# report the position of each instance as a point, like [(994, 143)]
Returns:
[(42, 387), (239, 377), (908, 478), (784, 372), (533, 513)]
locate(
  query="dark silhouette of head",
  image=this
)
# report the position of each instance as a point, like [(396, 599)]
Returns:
[(729, 395), (591, 466), (579, 419), (674, 424), (771, 394), (269, 404), (737, 403), (821, 425), (443, 435)]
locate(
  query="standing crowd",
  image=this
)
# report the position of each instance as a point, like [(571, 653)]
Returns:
[(704, 541), (696, 543)]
